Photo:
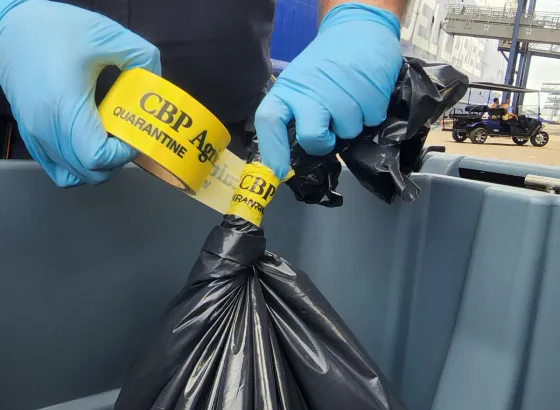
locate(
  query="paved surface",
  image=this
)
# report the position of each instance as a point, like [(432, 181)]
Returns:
[(503, 148)]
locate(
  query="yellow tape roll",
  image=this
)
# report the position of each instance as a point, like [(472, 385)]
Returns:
[(179, 139)]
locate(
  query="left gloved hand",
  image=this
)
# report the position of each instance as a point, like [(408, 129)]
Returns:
[(51, 54), (340, 83)]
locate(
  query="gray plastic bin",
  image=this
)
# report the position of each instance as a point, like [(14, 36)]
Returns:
[(455, 296), (451, 164)]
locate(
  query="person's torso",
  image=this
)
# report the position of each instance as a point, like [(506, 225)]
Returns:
[(217, 50)]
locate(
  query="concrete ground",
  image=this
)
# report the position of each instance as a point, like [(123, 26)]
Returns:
[(503, 148)]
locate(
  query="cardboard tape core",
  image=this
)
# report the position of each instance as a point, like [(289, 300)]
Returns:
[(160, 172), (179, 140)]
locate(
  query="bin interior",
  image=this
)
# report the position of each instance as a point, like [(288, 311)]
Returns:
[(454, 296)]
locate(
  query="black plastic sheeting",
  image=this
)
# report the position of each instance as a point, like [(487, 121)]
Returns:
[(249, 331), (383, 157)]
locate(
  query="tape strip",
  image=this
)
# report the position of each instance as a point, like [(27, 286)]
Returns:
[(217, 190), (182, 143), (179, 139), (257, 186)]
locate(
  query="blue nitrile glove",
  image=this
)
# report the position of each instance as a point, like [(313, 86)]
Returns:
[(50, 57), (342, 81)]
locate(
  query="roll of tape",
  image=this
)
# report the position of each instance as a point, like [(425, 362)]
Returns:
[(180, 141)]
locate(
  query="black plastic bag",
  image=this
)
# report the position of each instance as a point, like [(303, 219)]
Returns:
[(249, 331), (383, 157)]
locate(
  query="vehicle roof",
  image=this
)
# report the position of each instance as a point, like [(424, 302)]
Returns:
[(501, 87)]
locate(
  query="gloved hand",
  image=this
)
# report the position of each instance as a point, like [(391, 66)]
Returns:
[(342, 81), (50, 57)]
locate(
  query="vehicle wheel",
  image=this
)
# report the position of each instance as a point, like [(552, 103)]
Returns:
[(540, 140), (479, 135), (459, 137), (520, 141)]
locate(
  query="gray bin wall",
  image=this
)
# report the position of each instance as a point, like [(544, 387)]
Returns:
[(455, 296), (450, 164)]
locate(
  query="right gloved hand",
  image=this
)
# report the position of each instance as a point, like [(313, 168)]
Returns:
[(340, 83), (50, 57)]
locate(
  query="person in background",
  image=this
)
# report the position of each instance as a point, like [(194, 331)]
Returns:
[(509, 113), (53, 52), (495, 104)]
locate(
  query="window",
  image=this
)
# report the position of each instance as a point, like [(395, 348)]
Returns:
[(480, 58), (449, 44), (435, 35), (436, 28), (425, 27), (427, 12), (423, 32), (409, 13)]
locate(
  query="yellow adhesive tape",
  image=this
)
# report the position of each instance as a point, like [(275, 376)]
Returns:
[(257, 186), (217, 189), (179, 139)]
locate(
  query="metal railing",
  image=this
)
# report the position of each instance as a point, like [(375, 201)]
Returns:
[(548, 111), (553, 99), (528, 110), (553, 88), (498, 15), (537, 48), (552, 107)]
